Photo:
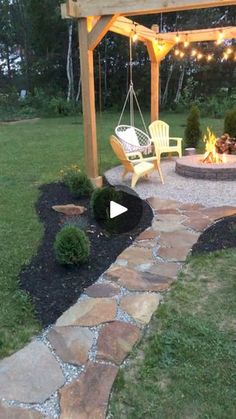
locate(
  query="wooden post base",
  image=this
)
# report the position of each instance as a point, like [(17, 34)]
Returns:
[(97, 181)]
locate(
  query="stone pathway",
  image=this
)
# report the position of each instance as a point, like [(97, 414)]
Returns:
[(69, 370)]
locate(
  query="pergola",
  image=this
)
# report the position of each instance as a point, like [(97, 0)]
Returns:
[(97, 17)]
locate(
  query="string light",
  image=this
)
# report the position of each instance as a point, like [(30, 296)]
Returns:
[(199, 56), (209, 57), (220, 37), (229, 51), (177, 38), (194, 52), (134, 34), (181, 54), (225, 56), (177, 52), (186, 42)]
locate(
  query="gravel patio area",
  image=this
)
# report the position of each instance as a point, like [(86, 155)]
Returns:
[(205, 192)]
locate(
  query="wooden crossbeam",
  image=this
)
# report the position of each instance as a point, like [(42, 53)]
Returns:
[(100, 30), (84, 8), (200, 35)]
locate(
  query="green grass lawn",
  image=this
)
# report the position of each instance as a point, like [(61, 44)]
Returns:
[(185, 367), (32, 154)]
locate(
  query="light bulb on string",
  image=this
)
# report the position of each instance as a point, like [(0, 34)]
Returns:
[(193, 52), (209, 57), (177, 52), (199, 56), (220, 37), (229, 51), (177, 38), (186, 42), (181, 54), (225, 56)]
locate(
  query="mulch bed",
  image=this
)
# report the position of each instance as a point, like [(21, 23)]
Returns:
[(53, 287), (221, 235)]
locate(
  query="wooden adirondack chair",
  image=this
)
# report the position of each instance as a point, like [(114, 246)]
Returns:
[(139, 166), (159, 132)]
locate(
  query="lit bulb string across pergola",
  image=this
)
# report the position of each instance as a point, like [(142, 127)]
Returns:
[(183, 44), (184, 49)]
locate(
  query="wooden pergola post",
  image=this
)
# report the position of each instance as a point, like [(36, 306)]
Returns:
[(88, 102), (155, 80)]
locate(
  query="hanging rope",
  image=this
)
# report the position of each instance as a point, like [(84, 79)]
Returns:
[(131, 95)]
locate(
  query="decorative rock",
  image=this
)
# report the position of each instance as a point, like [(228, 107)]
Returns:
[(89, 312), (10, 412), (87, 397), (104, 289), (72, 344), (116, 340), (140, 307), (177, 254), (69, 209), (31, 375), (137, 281)]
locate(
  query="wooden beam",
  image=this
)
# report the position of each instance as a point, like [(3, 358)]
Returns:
[(99, 30), (201, 35), (155, 81), (88, 100), (138, 7)]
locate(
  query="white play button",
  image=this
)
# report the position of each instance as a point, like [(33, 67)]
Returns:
[(116, 209)]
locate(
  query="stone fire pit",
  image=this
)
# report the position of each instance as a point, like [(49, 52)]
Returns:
[(191, 166)]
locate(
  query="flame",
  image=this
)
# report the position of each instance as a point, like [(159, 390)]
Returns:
[(211, 156)]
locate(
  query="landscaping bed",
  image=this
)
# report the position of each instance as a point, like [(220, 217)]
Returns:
[(221, 235), (54, 287)]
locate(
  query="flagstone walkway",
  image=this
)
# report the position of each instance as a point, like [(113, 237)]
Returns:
[(69, 370)]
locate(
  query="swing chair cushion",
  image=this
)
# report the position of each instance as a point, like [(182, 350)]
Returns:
[(129, 138), (133, 139)]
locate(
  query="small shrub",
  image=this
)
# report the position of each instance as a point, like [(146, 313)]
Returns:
[(193, 131), (230, 123), (78, 182), (71, 246), (100, 203)]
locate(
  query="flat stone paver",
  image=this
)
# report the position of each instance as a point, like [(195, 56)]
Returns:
[(176, 254), (90, 312), (116, 341), (136, 255), (140, 307), (178, 238), (31, 375), (10, 412), (87, 397), (71, 344), (105, 289), (166, 269), (137, 281)]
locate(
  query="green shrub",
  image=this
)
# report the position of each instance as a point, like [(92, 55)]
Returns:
[(193, 131), (230, 123), (78, 182), (71, 246)]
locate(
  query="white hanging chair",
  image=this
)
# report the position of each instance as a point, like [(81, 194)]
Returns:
[(133, 139)]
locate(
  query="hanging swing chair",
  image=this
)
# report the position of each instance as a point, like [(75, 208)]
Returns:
[(133, 139)]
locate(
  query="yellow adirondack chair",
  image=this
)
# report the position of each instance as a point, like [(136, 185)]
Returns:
[(140, 166), (159, 132)]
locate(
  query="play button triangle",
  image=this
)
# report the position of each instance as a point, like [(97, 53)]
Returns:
[(116, 209)]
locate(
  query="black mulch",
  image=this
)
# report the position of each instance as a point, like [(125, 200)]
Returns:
[(54, 288), (221, 235)]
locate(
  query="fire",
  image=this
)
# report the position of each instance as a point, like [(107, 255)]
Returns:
[(211, 156)]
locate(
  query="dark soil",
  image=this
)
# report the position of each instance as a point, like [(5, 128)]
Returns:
[(221, 235), (53, 287)]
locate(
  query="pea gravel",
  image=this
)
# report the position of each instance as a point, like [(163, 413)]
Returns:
[(206, 192)]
